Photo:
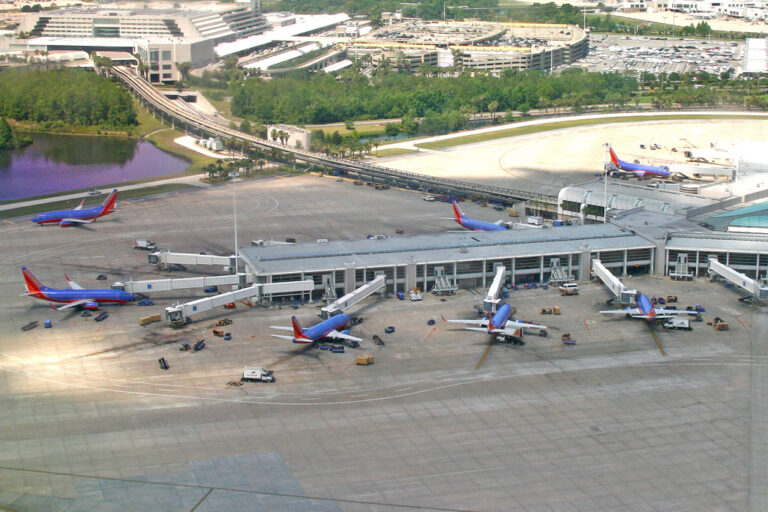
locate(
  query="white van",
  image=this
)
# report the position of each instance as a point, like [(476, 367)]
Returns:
[(569, 289)]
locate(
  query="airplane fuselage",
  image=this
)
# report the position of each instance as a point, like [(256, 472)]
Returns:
[(57, 216), (499, 320), (639, 170), (95, 295), (473, 224), (319, 331), (479, 225), (646, 306)]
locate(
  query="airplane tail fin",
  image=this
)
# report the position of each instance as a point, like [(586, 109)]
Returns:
[(490, 322), (298, 332), (108, 206), (33, 285), (457, 212), (614, 158)]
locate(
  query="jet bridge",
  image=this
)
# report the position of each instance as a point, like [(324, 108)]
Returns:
[(616, 287), (166, 258), (353, 297), (180, 314), (492, 297), (757, 289), (164, 285)]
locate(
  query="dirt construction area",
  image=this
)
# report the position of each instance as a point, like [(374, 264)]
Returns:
[(547, 161)]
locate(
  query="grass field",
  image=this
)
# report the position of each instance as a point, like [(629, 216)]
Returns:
[(526, 130), (392, 152), (93, 200)]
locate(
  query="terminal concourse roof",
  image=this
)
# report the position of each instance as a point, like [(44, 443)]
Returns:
[(442, 247)]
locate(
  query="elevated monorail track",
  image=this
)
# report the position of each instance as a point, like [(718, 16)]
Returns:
[(203, 125)]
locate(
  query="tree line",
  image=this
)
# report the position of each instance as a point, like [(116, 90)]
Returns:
[(321, 98), (65, 96)]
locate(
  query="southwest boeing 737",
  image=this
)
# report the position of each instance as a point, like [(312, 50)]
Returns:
[(325, 329), (646, 311), (472, 224), (498, 324), (639, 170), (75, 296), (66, 218)]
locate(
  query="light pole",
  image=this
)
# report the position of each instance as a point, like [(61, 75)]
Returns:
[(605, 186), (234, 208)]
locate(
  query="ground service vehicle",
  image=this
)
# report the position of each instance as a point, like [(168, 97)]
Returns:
[(569, 289), (163, 363), (101, 317), (260, 375), (683, 324), (145, 245)]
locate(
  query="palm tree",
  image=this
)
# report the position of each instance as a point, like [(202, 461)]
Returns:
[(260, 164)]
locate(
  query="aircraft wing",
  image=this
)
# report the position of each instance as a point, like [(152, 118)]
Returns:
[(78, 221), (283, 336), (479, 321), (340, 335), (628, 311), (515, 325), (281, 327), (500, 222), (73, 284), (80, 206), (73, 304)]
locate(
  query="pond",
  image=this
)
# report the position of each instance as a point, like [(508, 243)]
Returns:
[(58, 163)]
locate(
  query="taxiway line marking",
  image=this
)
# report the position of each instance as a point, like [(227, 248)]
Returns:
[(742, 324), (430, 334), (485, 354), (656, 338)]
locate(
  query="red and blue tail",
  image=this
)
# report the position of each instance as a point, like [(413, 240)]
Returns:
[(298, 332), (33, 285), (614, 158), (457, 212), (108, 206)]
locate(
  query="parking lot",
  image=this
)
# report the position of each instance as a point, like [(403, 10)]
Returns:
[(655, 55), (93, 423)]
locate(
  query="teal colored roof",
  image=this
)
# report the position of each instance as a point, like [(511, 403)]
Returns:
[(755, 221), (744, 211)]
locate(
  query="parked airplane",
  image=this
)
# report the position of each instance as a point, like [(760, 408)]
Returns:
[(498, 324), (76, 296), (325, 329), (639, 170), (472, 224), (66, 218), (647, 311)]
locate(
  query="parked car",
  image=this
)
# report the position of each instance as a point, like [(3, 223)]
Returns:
[(101, 277), (163, 363), (146, 302), (94, 192), (389, 330)]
